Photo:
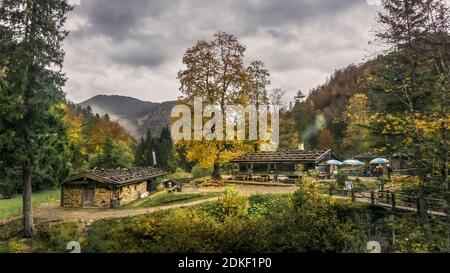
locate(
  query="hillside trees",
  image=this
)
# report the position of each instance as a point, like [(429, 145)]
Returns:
[(416, 80), (214, 71), (31, 42), (163, 148), (356, 118), (96, 141)]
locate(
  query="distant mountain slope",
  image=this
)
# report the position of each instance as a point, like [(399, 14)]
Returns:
[(133, 114), (119, 105)]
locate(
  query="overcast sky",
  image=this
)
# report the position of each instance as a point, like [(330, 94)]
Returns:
[(135, 47)]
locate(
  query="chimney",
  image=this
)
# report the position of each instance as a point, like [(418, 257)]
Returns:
[(301, 146)]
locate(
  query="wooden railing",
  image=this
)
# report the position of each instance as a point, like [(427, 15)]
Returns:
[(393, 200)]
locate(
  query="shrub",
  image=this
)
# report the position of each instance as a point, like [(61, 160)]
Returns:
[(177, 230), (410, 236), (400, 180), (198, 172), (54, 238), (230, 204), (261, 204), (112, 235), (307, 192), (341, 177), (179, 174), (201, 180), (17, 246)]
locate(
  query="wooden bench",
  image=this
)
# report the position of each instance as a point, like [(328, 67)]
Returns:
[(263, 178), (241, 177)]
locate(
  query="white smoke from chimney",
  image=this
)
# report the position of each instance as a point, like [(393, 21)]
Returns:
[(301, 146)]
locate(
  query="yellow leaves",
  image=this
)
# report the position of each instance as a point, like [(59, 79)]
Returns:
[(206, 153), (400, 180)]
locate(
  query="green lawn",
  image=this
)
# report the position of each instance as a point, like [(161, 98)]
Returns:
[(13, 207), (165, 198), (3, 247)]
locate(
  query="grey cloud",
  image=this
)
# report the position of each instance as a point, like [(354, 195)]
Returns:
[(117, 18), (152, 35)]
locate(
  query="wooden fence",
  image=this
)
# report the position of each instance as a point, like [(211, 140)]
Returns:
[(393, 200)]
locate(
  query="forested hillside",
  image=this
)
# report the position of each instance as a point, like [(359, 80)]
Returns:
[(96, 140), (336, 114), (133, 114)]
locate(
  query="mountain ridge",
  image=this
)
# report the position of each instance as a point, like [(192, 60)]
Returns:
[(135, 115)]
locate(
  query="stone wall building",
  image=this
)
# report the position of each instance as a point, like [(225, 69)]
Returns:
[(107, 188)]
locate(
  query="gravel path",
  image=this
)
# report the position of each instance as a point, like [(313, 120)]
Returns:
[(53, 213)]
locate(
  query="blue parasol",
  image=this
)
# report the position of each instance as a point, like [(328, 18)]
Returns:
[(379, 161), (334, 162), (353, 162)]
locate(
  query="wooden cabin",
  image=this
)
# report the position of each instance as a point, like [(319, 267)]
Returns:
[(283, 166), (108, 188)]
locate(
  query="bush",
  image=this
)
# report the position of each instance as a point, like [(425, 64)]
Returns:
[(198, 172), (405, 181), (306, 221), (261, 204), (230, 204), (179, 174), (201, 180), (307, 192), (410, 236), (181, 231), (341, 177), (17, 246), (55, 238)]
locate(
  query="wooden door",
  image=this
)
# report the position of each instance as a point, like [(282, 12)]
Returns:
[(88, 197)]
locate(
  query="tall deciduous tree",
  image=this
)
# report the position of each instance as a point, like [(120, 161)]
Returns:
[(215, 72), (32, 45)]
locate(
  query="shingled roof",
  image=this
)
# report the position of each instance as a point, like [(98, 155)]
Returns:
[(366, 156), (119, 176), (312, 156)]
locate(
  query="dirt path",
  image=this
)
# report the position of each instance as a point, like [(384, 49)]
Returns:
[(53, 213)]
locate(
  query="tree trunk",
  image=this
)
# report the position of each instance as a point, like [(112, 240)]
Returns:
[(28, 224), (216, 172), (425, 220)]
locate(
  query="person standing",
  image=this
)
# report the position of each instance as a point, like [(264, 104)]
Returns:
[(380, 170), (389, 171)]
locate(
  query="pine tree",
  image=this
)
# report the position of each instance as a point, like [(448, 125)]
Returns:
[(33, 32)]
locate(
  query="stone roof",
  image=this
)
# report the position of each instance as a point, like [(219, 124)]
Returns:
[(312, 156), (119, 176), (366, 156)]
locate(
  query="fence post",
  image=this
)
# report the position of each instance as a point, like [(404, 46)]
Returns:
[(330, 190), (372, 197), (353, 195), (388, 195), (418, 205), (393, 200)]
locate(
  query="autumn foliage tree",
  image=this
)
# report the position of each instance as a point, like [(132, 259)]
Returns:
[(356, 117), (96, 141), (215, 72)]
